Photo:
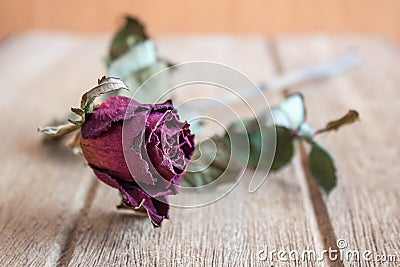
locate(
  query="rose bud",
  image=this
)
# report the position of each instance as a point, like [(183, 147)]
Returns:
[(142, 150)]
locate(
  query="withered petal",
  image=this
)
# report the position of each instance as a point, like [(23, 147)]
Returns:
[(157, 209), (142, 150), (112, 110)]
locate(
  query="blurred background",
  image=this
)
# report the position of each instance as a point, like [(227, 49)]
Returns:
[(266, 17)]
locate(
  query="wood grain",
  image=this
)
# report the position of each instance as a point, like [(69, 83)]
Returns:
[(364, 209), (54, 213), (42, 188), (228, 232)]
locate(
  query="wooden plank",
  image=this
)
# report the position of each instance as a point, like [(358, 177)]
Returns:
[(228, 232), (365, 207), (43, 189)]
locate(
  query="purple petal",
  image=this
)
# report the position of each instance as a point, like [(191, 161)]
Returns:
[(157, 209), (134, 197), (142, 150), (112, 110)]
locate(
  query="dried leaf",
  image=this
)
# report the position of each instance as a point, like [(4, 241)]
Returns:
[(78, 111), (60, 130), (106, 85), (351, 117), (133, 58), (74, 144), (77, 122)]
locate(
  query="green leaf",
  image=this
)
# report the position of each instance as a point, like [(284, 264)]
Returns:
[(291, 113), (132, 33), (133, 58), (240, 144), (284, 147), (154, 90), (322, 167), (295, 110), (137, 57), (212, 162), (140, 62), (244, 126), (280, 118)]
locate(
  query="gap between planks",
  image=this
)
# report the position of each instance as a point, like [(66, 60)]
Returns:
[(72, 236), (313, 199)]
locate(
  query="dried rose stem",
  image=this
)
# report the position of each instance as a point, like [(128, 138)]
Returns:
[(334, 67)]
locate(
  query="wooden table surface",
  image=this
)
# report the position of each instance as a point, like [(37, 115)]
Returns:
[(53, 212)]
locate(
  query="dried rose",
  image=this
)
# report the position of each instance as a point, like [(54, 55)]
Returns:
[(142, 150)]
